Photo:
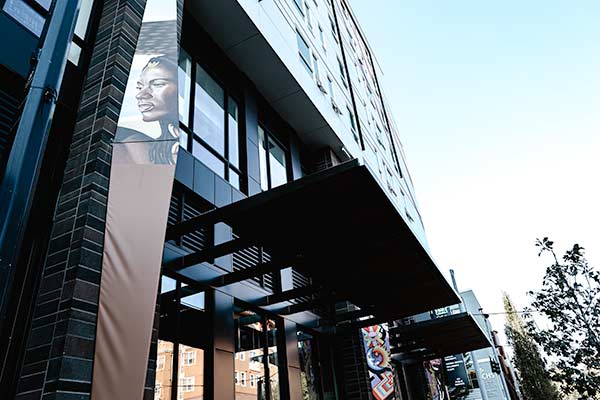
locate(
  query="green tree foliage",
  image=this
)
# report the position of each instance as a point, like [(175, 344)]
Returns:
[(570, 301), (535, 380)]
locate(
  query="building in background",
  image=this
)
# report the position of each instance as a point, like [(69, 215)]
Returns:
[(291, 224), (490, 365)]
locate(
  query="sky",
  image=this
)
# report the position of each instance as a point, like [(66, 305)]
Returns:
[(498, 107)]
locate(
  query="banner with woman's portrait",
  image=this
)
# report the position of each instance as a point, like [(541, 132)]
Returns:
[(142, 171)]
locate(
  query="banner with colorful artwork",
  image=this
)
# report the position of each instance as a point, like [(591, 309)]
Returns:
[(377, 349)]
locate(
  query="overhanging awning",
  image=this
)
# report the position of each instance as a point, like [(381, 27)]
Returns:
[(339, 228), (438, 337)]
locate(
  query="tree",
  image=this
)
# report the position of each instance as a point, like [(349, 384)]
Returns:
[(570, 301), (535, 380)]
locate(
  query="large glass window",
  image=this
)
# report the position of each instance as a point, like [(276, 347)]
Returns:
[(209, 120), (180, 353), (309, 372), (256, 337), (209, 109), (272, 157)]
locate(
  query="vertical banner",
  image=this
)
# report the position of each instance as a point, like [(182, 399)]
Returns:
[(457, 378), (377, 349), (141, 178), (436, 389)]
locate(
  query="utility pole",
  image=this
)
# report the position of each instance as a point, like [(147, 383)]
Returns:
[(488, 328), (23, 166)]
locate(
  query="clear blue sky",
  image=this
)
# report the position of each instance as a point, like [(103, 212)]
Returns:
[(498, 107)]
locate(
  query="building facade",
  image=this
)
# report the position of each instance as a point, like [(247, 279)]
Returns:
[(290, 219)]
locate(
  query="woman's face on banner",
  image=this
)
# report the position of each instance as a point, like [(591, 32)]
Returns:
[(157, 93)]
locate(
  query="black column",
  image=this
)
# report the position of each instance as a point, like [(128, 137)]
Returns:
[(60, 347), (219, 355), (292, 361)]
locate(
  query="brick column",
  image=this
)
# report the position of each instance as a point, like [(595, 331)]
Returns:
[(60, 347)]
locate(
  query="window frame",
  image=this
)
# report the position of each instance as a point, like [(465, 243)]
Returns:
[(188, 384), (189, 358), (161, 362), (300, 6), (192, 135), (307, 62), (270, 136)]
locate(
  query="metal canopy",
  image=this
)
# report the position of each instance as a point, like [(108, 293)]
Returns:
[(338, 227), (438, 337)]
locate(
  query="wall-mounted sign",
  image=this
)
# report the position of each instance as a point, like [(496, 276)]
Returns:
[(24, 14), (457, 378)]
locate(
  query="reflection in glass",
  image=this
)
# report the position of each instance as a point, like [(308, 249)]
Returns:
[(262, 154), (273, 360), (183, 139), (308, 366), (191, 373), (277, 164), (249, 356), (164, 370), (83, 18), (209, 104), (74, 53), (184, 78), (180, 352), (273, 172), (256, 336), (212, 162), (234, 156), (234, 179)]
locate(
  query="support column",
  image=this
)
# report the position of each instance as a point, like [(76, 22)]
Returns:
[(294, 387), (60, 346), (219, 355)]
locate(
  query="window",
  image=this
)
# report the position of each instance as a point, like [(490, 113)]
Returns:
[(300, 5), (272, 157), (158, 391), (83, 18), (237, 378), (189, 358), (316, 67), (242, 356), (185, 87), (209, 108), (322, 37), (342, 72), (209, 120), (187, 383), (309, 17), (330, 86), (333, 29), (351, 120), (264, 382), (304, 51), (160, 363)]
